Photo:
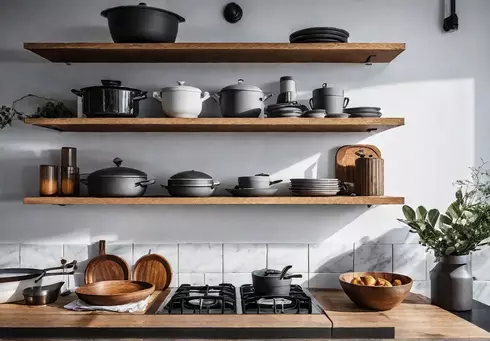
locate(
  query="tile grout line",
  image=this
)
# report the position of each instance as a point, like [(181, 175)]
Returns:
[(178, 264)]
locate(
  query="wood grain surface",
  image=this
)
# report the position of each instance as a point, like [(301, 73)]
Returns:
[(345, 160), (109, 293), (154, 269), (106, 267), (218, 124), (216, 52), (336, 200), (370, 177), (415, 318)]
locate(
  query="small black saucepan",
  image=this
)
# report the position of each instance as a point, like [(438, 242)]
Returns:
[(270, 282)]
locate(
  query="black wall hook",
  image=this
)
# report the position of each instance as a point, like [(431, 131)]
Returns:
[(232, 12), (451, 23)]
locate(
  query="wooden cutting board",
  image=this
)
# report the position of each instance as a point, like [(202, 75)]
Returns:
[(106, 267), (154, 269), (345, 160)]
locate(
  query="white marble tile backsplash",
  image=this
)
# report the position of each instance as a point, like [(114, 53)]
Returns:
[(244, 257), (212, 264), (40, 256), (9, 255), (280, 255)]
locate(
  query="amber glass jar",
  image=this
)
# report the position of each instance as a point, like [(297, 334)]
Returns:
[(69, 181), (48, 180)]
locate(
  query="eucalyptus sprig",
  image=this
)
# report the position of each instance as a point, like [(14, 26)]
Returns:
[(464, 227)]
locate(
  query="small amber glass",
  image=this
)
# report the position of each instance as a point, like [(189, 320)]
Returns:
[(48, 180), (69, 181)]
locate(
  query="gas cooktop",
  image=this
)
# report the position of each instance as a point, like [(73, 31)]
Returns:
[(226, 299)]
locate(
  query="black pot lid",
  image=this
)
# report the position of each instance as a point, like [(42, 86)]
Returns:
[(191, 175), (142, 6), (110, 84), (267, 273), (118, 171)]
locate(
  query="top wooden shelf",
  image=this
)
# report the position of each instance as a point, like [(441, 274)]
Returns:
[(217, 52)]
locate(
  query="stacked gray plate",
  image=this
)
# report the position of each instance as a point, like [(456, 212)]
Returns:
[(363, 112), (315, 187), (284, 110)]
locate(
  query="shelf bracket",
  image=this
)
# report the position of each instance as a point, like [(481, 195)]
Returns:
[(451, 23), (369, 60)]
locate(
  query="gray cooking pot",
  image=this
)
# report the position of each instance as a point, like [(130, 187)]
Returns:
[(191, 184), (257, 181), (270, 282), (117, 182), (110, 100), (241, 100)]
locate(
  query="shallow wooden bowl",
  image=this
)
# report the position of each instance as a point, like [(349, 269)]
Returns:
[(108, 293), (376, 298)]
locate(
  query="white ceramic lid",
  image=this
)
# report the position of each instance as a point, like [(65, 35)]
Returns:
[(181, 87)]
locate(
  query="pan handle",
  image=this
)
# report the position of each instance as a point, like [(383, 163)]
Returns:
[(101, 247)]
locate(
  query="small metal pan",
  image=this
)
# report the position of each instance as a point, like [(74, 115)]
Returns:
[(42, 295)]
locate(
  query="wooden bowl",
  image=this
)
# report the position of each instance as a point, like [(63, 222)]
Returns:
[(108, 293), (376, 298)]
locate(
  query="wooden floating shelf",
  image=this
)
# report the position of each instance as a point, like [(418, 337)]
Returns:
[(217, 124), (217, 52), (338, 200)]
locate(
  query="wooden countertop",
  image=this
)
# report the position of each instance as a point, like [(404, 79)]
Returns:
[(414, 318)]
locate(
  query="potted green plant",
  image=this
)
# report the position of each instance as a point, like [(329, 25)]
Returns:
[(50, 109), (453, 236)]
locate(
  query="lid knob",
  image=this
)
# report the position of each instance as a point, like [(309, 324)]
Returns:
[(240, 81), (118, 161), (142, 4), (181, 82)]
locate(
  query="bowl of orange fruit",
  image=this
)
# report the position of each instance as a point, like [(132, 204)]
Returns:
[(376, 290)]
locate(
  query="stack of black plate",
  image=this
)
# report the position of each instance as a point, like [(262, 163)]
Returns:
[(320, 35), (364, 112), (285, 110)]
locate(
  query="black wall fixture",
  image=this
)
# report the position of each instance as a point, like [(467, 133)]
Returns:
[(232, 13), (451, 23)]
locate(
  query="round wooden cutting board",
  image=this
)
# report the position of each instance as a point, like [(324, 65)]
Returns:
[(153, 269), (106, 267), (345, 160)]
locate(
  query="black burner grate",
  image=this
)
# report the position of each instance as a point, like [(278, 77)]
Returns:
[(298, 302), (206, 299)]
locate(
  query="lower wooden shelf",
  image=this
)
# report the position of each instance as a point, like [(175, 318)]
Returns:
[(338, 200)]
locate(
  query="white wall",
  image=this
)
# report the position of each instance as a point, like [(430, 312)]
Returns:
[(439, 85)]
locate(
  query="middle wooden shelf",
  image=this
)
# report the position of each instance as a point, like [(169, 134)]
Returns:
[(218, 124), (335, 200)]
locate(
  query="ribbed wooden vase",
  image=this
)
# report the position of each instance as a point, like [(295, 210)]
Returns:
[(369, 177)]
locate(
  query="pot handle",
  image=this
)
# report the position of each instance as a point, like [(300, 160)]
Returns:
[(216, 96), (77, 92), (204, 96), (145, 183), (142, 95), (310, 102), (156, 95), (215, 184), (346, 102), (267, 96), (274, 182), (293, 276)]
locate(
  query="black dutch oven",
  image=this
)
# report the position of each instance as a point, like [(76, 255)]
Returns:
[(142, 24), (270, 282), (117, 182), (110, 100)]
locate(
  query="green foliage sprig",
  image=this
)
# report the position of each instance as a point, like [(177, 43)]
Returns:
[(466, 224)]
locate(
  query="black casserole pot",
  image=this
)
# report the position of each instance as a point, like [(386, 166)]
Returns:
[(117, 182), (270, 282), (110, 100), (142, 24)]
